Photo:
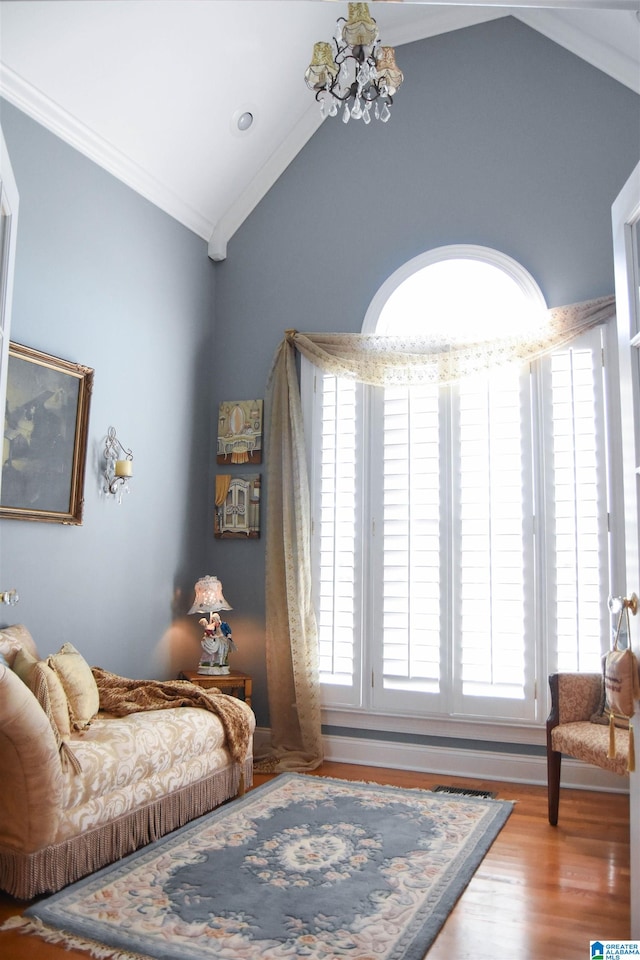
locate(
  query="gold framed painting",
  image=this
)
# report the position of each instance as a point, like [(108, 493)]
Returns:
[(45, 437), (240, 432)]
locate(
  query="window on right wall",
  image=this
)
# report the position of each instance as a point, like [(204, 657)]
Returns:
[(460, 533)]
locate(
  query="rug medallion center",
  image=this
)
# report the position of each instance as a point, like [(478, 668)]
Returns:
[(296, 855)]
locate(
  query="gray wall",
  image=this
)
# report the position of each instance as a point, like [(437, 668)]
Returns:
[(497, 137), (105, 279)]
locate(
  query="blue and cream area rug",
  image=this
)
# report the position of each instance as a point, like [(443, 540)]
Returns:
[(303, 866)]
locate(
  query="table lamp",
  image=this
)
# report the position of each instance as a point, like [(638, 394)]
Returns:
[(216, 642)]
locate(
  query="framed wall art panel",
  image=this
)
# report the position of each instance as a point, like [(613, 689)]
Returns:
[(237, 510), (45, 437), (240, 431)]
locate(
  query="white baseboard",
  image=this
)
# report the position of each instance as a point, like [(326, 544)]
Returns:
[(479, 764), (261, 739)]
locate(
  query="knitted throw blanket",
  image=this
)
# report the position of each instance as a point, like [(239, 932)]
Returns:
[(121, 696)]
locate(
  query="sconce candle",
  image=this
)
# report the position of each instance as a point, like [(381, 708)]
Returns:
[(117, 471)]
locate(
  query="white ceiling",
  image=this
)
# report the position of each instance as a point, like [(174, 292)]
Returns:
[(149, 89)]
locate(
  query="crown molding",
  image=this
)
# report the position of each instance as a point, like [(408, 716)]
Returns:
[(47, 112), (599, 54)]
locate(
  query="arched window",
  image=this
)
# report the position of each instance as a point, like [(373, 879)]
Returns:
[(460, 545), (470, 292)]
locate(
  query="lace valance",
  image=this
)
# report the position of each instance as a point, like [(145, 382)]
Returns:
[(388, 360)]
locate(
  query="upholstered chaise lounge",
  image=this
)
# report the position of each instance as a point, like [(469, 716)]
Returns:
[(575, 698), (69, 805)]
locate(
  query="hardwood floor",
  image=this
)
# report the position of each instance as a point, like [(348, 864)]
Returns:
[(541, 891)]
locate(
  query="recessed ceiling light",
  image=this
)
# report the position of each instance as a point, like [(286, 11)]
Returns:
[(243, 120)]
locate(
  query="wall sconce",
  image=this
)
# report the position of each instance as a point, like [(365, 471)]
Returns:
[(9, 597), (119, 465)]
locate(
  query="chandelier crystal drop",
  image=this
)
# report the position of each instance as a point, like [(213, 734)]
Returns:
[(353, 71)]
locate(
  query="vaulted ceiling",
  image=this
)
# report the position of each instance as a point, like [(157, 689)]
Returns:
[(152, 89)]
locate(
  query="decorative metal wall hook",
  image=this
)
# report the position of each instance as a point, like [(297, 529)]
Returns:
[(618, 604), (119, 465)]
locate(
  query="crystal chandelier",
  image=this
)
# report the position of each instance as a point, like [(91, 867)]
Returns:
[(354, 73)]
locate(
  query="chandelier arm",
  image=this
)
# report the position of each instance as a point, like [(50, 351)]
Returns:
[(379, 94), (358, 57), (350, 93), (340, 50)]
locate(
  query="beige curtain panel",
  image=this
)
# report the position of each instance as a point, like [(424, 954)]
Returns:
[(291, 630)]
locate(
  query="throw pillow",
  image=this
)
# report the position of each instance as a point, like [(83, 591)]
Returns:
[(79, 685), (617, 689), (23, 665), (47, 689), (621, 684), (13, 638), (620, 690)]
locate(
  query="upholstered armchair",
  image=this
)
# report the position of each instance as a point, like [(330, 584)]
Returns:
[(575, 698)]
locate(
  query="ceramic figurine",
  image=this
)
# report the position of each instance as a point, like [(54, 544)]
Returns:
[(216, 644)]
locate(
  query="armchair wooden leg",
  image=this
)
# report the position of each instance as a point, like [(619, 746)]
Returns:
[(553, 757), (554, 760)]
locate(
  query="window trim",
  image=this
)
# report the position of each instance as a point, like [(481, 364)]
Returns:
[(361, 718), (456, 251)]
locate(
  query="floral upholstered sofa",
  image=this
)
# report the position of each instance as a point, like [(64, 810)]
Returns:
[(81, 787)]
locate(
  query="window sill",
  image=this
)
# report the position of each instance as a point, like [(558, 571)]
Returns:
[(489, 731)]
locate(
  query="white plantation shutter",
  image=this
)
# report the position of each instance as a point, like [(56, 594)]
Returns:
[(407, 590), (577, 515), (492, 526), (454, 581), (336, 533)]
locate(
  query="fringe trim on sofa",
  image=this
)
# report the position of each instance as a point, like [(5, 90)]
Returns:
[(25, 875)]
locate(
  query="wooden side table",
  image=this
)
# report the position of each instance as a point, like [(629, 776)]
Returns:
[(236, 683)]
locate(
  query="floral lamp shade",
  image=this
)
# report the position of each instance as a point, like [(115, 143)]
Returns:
[(209, 596)]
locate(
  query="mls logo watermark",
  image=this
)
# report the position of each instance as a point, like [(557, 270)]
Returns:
[(614, 949)]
